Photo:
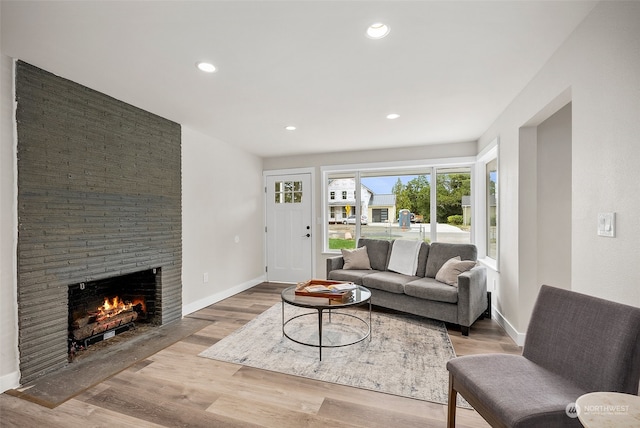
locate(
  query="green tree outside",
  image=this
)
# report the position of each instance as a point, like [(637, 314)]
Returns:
[(416, 195), (403, 200), (451, 188)]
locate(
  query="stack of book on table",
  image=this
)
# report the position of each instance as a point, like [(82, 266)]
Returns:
[(319, 291)]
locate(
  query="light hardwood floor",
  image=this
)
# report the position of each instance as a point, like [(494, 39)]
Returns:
[(180, 389)]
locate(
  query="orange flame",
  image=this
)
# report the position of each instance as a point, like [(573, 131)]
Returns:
[(114, 307)]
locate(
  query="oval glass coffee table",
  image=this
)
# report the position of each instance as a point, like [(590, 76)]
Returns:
[(359, 296)]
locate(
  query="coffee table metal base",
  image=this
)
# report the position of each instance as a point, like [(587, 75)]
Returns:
[(366, 333)]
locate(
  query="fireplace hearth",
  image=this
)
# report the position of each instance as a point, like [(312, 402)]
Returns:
[(98, 310)]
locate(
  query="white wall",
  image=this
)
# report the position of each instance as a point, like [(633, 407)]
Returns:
[(222, 202), (554, 199), (9, 375), (598, 70)]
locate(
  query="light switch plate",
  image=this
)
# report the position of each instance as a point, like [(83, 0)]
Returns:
[(607, 224)]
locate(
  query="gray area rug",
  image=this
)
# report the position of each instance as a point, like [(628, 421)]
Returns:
[(405, 355)]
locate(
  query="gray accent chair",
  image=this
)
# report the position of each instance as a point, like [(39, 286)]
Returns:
[(575, 344)]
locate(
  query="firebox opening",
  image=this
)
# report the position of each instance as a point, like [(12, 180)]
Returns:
[(98, 310)]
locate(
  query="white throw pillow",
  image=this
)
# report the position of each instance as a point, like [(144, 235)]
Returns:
[(453, 267), (357, 259)]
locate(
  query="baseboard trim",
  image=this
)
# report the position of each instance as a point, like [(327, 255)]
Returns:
[(9, 381), (508, 328), (214, 298)]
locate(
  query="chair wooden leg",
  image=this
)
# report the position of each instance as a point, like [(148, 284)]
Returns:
[(451, 406)]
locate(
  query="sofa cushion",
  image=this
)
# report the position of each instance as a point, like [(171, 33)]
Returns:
[(354, 276), (387, 281), (430, 289), (440, 252), (356, 259), (422, 259), (378, 250), (453, 267)]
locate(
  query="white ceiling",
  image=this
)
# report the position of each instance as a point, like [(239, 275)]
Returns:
[(449, 68)]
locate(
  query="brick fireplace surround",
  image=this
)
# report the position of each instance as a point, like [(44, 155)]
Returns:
[(99, 195)]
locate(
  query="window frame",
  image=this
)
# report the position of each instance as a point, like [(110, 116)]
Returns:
[(488, 155), (402, 167)]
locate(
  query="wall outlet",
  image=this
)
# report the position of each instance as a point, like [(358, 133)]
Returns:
[(205, 277)]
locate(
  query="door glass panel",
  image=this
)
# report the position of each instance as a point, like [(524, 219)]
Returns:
[(288, 192)]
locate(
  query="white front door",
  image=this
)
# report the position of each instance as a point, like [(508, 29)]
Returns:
[(289, 228)]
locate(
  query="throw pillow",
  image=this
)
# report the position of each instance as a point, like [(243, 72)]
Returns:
[(453, 267), (356, 259)]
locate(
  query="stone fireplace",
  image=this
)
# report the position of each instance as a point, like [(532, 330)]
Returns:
[(99, 197), (98, 310)]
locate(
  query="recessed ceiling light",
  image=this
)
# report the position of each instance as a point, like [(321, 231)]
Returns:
[(206, 67), (393, 116), (377, 30), (290, 128)]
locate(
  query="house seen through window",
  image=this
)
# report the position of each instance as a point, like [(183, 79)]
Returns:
[(399, 205)]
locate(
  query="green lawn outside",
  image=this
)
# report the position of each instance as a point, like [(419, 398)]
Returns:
[(337, 243)]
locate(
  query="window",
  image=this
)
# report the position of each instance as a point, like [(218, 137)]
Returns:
[(390, 193), (488, 203), (380, 194), (333, 196), (288, 192), (453, 205), (492, 211), (341, 225)]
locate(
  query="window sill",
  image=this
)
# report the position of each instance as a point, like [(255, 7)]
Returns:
[(489, 263)]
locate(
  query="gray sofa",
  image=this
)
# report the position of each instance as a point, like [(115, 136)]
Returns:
[(421, 294)]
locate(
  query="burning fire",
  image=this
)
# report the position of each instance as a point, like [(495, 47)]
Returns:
[(116, 306)]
